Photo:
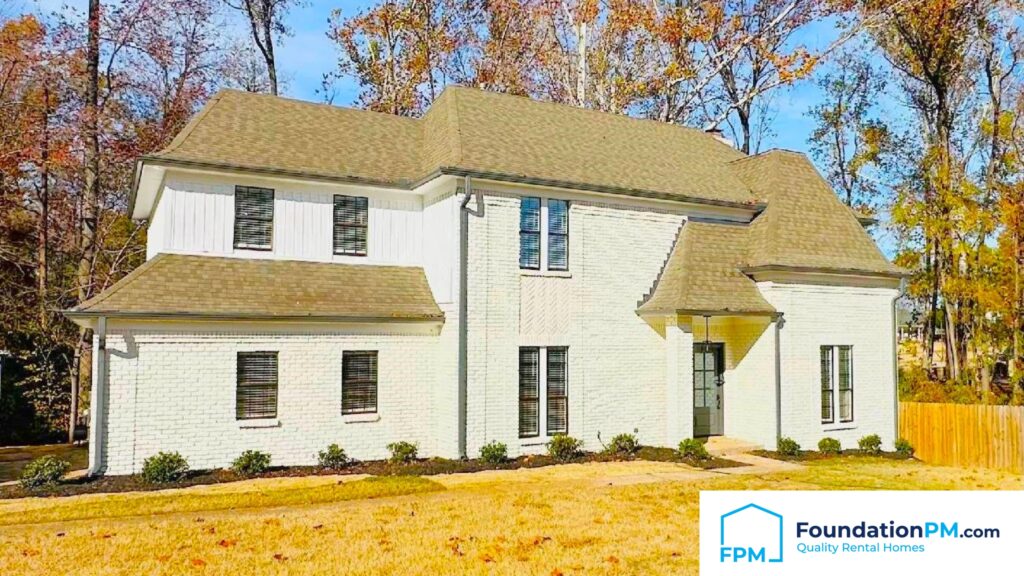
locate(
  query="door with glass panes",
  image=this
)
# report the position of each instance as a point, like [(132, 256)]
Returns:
[(708, 396)]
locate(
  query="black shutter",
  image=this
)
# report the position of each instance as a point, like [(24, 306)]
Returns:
[(558, 235), (359, 382), (351, 218), (529, 392), (529, 233), (558, 395), (254, 217), (256, 390)]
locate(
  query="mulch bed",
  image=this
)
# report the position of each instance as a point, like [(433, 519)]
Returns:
[(427, 467), (810, 455)]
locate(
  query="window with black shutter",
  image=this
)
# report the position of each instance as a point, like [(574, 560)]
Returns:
[(351, 217), (529, 392), (256, 390), (529, 233), (558, 398), (358, 382), (558, 234), (254, 217)]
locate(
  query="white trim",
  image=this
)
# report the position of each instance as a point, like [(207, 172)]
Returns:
[(259, 423), (545, 273), (360, 418)]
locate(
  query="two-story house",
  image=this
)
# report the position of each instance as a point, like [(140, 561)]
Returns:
[(499, 269)]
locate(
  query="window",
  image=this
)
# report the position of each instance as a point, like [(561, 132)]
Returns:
[(254, 217), (543, 234), (359, 382), (529, 233), (836, 383), (550, 367), (350, 223), (256, 390)]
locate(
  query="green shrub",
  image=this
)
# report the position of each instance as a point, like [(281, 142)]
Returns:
[(402, 452), (334, 458), (251, 462), (45, 471), (563, 447), (872, 444), (693, 448), (494, 452), (788, 447), (165, 467), (904, 447), (624, 444), (829, 446)]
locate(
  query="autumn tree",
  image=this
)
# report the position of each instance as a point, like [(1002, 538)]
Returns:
[(266, 22)]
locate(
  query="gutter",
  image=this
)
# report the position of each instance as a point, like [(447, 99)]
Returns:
[(97, 425), (464, 212), (73, 314)]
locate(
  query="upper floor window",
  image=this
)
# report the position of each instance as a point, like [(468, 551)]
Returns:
[(254, 217), (543, 234), (350, 224), (836, 383)]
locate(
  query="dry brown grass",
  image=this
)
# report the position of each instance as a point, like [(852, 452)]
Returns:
[(593, 519), (12, 460)]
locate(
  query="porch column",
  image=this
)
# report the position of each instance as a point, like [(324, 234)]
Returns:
[(679, 379)]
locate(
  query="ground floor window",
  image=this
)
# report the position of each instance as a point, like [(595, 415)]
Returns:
[(359, 382), (836, 383), (547, 367), (256, 385)]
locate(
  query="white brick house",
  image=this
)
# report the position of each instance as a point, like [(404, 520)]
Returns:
[(500, 269)]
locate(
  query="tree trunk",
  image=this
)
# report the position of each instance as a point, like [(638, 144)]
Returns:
[(268, 23), (581, 65), (43, 225), (91, 194)]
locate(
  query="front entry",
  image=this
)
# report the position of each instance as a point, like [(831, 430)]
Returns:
[(708, 397)]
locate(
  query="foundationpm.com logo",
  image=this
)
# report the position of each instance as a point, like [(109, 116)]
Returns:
[(740, 520), (858, 532)]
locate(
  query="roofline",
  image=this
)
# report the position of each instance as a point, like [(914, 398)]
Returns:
[(73, 314), (152, 160), (899, 273), (693, 312)]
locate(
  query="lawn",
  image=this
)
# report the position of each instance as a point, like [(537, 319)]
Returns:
[(598, 518), (12, 460)]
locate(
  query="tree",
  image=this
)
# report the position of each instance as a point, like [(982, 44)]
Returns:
[(266, 19)]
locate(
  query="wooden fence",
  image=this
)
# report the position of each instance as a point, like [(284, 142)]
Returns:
[(965, 434)]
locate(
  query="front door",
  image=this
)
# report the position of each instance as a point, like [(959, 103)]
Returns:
[(708, 398)]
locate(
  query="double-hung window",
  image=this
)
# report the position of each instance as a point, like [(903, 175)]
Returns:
[(836, 384), (256, 386), (351, 217), (543, 391), (543, 234), (359, 382), (254, 218)]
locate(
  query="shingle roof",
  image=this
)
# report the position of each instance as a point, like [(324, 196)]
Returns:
[(805, 226), (236, 288), (703, 273), (465, 130)]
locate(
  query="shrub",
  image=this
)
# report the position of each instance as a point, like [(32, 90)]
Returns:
[(45, 471), (624, 444), (563, 447), (494, 452), (251, 462), (334, 458), (904, 447), (872, 444), (829, 446), (164, 467), (693, 448), (788, 447), (402, 452)]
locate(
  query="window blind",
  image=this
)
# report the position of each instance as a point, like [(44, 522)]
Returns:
[(558, 234), (827, 405), (351, 219), (529, 233), (254, 217), (529, 392), (358, 382), (256, 389), (557, 381)]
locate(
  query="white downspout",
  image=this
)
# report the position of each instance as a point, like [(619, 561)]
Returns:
[(97, 422)]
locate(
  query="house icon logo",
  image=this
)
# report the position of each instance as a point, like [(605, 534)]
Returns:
[(751, 533)]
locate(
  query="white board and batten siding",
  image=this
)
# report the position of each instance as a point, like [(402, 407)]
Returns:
[(195, 215)]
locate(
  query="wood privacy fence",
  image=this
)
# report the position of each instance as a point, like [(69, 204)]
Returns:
[(965, 434)]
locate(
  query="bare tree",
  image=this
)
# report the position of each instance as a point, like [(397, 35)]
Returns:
[(266, 19)]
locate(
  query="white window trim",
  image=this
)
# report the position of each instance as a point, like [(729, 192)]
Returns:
[(542, 437), (543, 270), (259, 423), (837, 424)]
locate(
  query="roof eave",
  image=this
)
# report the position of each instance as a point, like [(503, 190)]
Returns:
[(897, 273), (74, 314)]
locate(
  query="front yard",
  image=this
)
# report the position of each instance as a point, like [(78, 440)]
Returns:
[(599, 518)]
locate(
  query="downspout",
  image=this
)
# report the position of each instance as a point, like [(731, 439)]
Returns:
[(895, 375), (780, 321), (464, 212), (98, 422)]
